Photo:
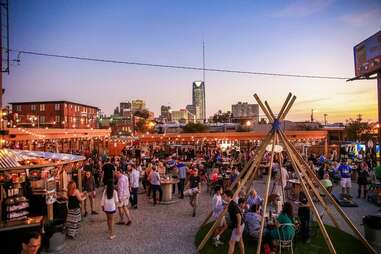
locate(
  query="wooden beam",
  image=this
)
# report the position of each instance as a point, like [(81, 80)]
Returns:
[(284, 105), (266, 196), (297, 167), (271, 119), (254, 166), (283, 116), (336, 205)]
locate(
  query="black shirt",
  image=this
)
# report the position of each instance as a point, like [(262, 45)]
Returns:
[(233, 210), (108, 172), (73, 202), (194, 181)]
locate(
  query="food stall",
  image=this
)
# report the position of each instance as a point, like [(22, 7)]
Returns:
[(32, 186)]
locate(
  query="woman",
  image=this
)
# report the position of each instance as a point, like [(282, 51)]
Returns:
[(147, 182), (74, 213), (109, 203), (285, 217), (362, 179)]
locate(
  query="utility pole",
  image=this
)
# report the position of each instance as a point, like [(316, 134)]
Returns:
[(312, 115), (325, 118)]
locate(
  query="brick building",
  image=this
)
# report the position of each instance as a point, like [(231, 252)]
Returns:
[(54, 114)]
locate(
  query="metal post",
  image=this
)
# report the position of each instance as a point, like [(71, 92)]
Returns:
[(379, 112)]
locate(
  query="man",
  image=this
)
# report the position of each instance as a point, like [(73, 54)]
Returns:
[(108, 171), (155, 181), (217, 208), (254, 199), (182, 173), (281, 182), (89, 190), (123, 196), (195, 187), (31, 243), (134, 180), (346, 178), (237, 224)]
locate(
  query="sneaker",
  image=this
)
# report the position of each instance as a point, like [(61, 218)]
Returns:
[(94, 212), (218, 243)]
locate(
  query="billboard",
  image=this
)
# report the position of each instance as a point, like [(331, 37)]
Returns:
[(368, 55)]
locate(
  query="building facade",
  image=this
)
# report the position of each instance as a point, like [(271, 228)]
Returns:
[(165, 113), (245, 111), (137, 105), (198, 100), (54, 114), (183, 116)]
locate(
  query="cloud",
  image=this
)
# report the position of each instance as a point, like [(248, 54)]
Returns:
[(355, 92), (303, 8), (363, 18), (312, 101)]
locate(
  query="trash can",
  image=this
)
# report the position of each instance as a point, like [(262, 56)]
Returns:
[(372, 228)]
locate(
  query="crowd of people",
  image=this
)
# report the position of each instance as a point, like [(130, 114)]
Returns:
[(121, 178)]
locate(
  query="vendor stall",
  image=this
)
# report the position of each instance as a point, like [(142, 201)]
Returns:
[(32, 187)]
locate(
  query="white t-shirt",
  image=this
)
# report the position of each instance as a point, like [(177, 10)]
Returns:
[(109, 204)]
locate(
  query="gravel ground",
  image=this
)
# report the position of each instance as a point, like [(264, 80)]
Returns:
[(168, 228), (159, 229)]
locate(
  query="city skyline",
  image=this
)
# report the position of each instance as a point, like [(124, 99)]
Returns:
[(245, 35)]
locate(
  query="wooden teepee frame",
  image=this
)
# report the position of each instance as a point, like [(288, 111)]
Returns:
[(306, 175)]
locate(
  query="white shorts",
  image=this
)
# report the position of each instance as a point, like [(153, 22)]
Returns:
[(123, 203), (346, 182), (235, 236)]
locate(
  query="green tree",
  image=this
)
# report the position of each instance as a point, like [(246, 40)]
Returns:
[(142, 113), (356, 130), (222, 117), (195, 127)]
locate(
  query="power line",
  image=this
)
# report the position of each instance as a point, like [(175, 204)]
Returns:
[(35, 53)]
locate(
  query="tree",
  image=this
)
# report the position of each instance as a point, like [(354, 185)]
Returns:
[(142, 113), (195, 127), (222, 117), (358, 131)]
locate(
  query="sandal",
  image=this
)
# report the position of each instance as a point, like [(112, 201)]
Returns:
[(112, 237), (128, 223)]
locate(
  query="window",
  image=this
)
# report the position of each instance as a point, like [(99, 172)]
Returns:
[(18, 107), (57, 106), (33, 107), (42, 107), (42, 119), (58, 119)]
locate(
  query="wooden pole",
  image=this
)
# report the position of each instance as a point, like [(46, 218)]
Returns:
[(271, 119), (336, 205), (266, 196), (284, 105), (269, 109), (310, 183), (296, 167), (281, 117), (254, 167)]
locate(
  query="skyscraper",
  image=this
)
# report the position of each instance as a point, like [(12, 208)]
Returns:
[(198, 100)]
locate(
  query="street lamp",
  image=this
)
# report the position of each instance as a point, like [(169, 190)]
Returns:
[(248, 123)]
